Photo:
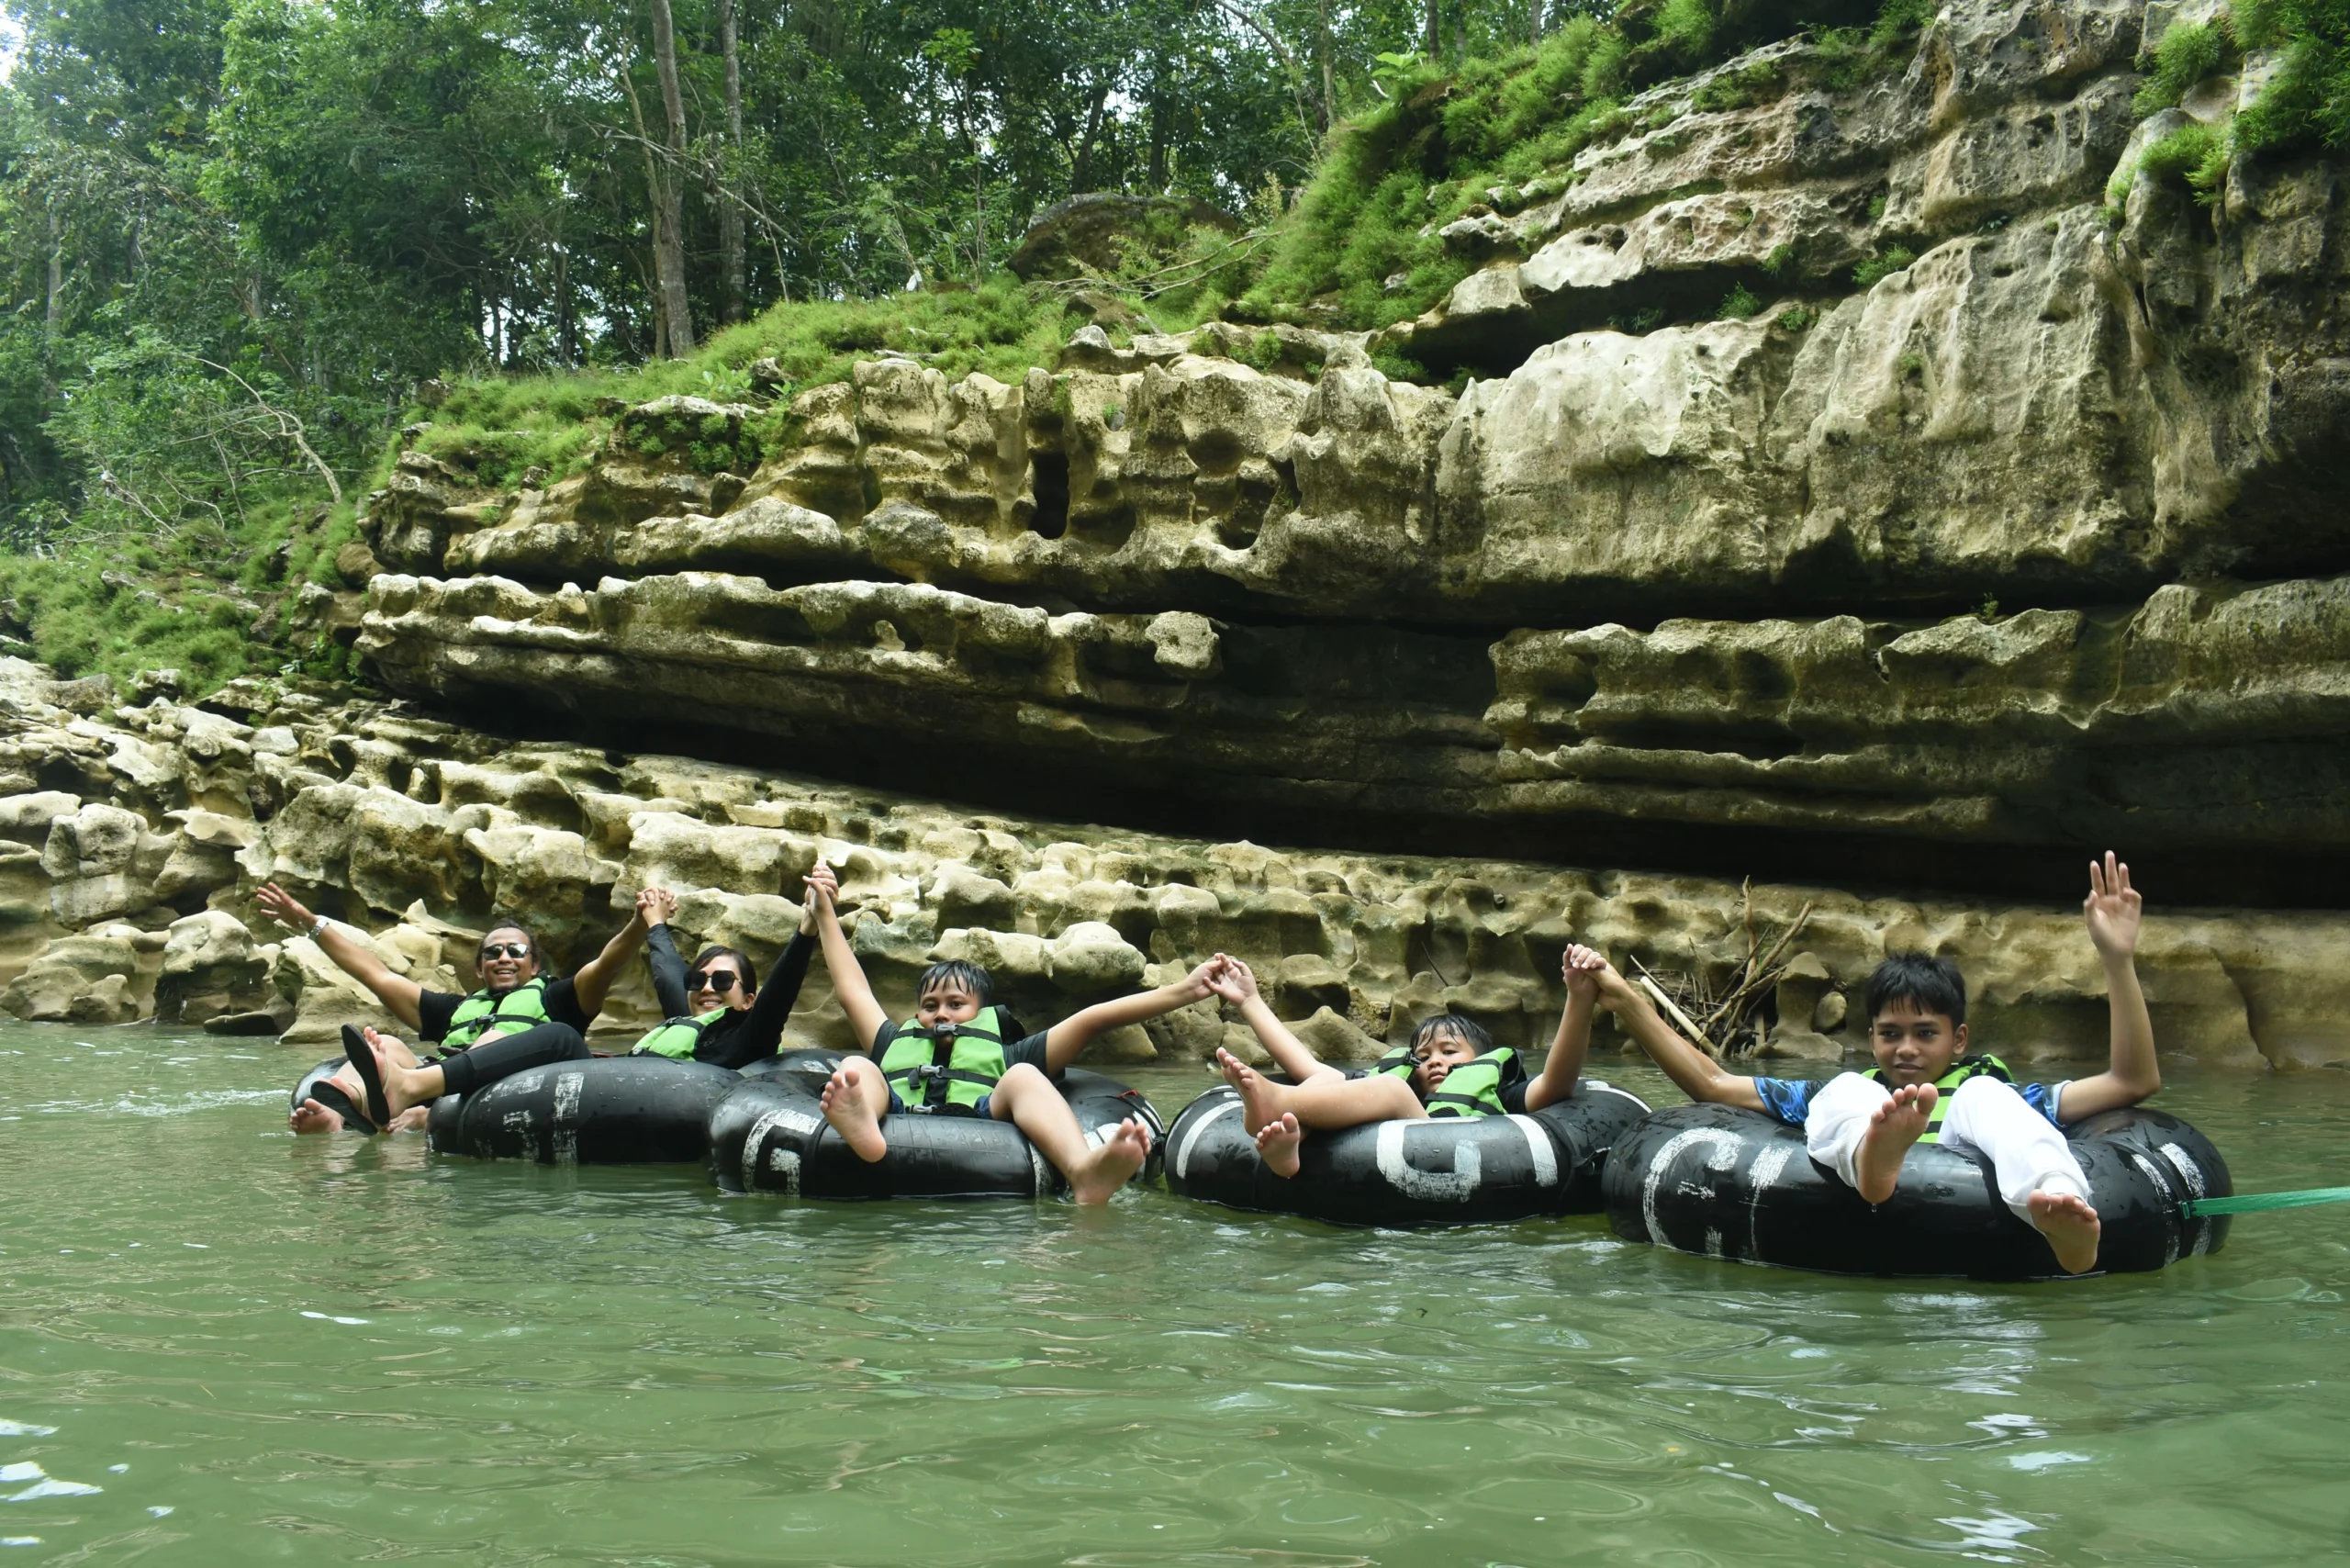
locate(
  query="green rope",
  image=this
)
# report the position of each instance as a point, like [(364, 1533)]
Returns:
[(2253, 1203)]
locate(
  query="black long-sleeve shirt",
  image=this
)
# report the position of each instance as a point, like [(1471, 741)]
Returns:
[(741, 1038)]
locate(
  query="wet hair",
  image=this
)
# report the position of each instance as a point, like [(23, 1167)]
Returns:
[(1926, 983), (742, 965), (528, 936), (955, 971), (1467, 1028)]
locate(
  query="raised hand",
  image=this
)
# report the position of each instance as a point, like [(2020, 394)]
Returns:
[(1232, 981), (823, 887), (2112, 909), (284, 908), (1200, 982), (1582, 968), (656, 906)]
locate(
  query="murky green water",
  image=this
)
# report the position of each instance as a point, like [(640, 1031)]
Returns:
[(219, 1344)]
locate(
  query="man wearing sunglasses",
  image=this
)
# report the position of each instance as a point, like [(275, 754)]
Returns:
[(517, 1019)]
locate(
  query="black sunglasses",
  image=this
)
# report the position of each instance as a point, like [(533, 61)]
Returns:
[(507, 950), (718, 980)]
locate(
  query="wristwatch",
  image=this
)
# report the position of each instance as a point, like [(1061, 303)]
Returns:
[(318, 928)]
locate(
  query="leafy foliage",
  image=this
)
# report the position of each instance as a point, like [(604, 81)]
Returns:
[(2196, 153), (2308, 101), (2186, 56)]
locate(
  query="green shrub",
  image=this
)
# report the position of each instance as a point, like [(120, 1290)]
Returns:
[(1797, 318), (1757, 83), (1882, 265), (2186, 56), (212, 602), (1738, 305), (2308, 101), (2195, 153)]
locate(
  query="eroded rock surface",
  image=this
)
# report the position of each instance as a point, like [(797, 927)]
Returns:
[(421, 832)]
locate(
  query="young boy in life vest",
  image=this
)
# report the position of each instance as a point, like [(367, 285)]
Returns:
[(1452, 1067), (954, 1059), (1928, 1087)]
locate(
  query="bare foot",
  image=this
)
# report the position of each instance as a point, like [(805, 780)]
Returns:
[(1898, 1123), (1277, 1145), (1113, 1165), (404, 1087), (1258, 1102), (411, 1120), (852, 1117), (310, 1116), (2071, 1228)]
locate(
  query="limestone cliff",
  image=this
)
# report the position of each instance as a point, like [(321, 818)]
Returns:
[(2035, 542), (133, 833)]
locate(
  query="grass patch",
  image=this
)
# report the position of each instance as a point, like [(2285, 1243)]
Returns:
[(1500, 132), (503, 427), (212, 602)]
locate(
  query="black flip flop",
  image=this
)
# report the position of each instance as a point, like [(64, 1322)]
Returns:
[(363, 1062), (331, 1095)]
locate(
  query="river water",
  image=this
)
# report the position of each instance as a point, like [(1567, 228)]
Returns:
[(222, 1344)]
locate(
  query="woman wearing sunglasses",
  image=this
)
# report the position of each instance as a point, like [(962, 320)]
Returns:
[(716, 1010), (517, 1019)]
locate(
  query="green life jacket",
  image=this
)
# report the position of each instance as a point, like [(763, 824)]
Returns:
[(678, 1038), (509, 1013), (1472, 1089), (947, 1072), (1960, 1072)]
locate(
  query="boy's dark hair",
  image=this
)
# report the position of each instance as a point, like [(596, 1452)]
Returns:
[(742, 965), (528, 936), (1926, 983), (956, 972), (1467, 1028)]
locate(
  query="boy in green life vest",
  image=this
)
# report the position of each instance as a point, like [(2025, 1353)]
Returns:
[(1929, 1086), (1452, 1067), (956, 1058)]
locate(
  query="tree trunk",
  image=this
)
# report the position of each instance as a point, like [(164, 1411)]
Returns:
[(56, 315), (730, 210), (979, 197), (567, 344), (1534, 21), (1436, 30), (670, 240), (653, 194), (1081, 169), (1329, 83), (1162, 132)]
